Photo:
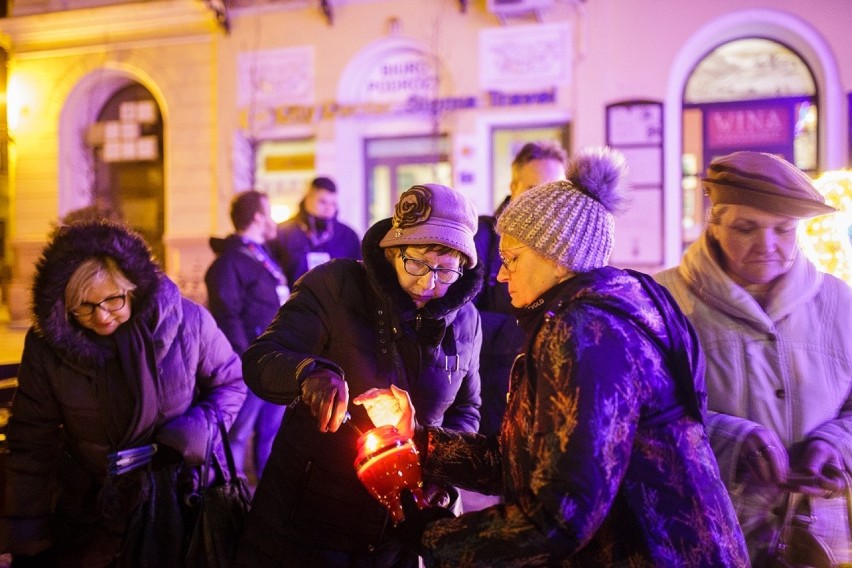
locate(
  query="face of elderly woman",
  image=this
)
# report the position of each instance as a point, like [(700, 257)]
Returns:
[(527, 273), (757, 247), (426, 275), (100, 311)]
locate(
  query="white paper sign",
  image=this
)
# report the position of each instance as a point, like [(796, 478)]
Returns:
[(525, 57)]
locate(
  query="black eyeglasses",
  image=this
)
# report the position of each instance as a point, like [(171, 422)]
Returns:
[(109, 305), (417, 267)]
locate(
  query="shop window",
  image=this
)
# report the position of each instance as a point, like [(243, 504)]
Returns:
[(507, 141), (395, 164), (283, 169), (747, 94)]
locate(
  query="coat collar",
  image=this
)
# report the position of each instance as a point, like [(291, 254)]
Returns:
[(383, 279), (706, 278)]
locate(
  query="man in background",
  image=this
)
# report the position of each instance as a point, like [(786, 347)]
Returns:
[(536, 163), (245, 288), (314, 235)]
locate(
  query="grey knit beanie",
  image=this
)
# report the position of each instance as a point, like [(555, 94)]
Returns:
[(571, 222)]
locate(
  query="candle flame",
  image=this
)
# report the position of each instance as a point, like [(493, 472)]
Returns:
[(371, 443)]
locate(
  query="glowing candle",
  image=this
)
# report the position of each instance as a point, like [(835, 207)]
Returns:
[(386, 464)]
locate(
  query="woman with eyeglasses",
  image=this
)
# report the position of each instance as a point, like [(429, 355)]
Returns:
[(119, 382), (602, 457), (401, 317)]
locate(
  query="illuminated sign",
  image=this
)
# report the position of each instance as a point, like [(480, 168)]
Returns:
[(733, 127), (306, 114)]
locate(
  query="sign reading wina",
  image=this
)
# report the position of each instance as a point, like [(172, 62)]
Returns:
[(752, 126)]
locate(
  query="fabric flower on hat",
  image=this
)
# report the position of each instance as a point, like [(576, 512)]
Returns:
[(414, 207)]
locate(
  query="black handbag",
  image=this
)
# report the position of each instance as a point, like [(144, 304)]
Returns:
[(794, 545), (218, 511)]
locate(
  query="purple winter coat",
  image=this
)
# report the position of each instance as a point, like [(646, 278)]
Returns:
[(603, 459), (60, 424)]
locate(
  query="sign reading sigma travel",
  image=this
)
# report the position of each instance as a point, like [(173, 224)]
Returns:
[(391, 81)]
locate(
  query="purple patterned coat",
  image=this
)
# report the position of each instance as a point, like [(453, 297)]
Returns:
[(603, 458)]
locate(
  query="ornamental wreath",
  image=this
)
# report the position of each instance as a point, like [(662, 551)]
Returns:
[(414, 207)]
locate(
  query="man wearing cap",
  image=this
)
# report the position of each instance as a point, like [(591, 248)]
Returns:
[(778, 344), (401, 317)]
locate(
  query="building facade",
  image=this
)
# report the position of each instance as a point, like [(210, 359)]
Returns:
[(163, 109)]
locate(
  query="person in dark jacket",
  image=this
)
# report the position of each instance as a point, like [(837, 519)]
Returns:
[(314, 235), (119, 381), (602, 458), (535, 163), (403, 316), (245, 288)]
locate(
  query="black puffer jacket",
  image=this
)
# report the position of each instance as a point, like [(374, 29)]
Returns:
[(355, 318), (59, 407)]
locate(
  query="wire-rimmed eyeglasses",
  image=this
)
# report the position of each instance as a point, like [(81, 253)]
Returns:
[(110, 304), (510, 264), (417, 267)]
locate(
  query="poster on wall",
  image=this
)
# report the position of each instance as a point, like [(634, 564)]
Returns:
[(635, 128), (271, 79), (535, 56)]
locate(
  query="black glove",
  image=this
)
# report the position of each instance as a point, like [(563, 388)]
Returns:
[(327, 395), (409, 531), (44, 559)]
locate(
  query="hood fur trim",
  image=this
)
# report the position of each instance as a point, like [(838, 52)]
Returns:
[(69, 246)]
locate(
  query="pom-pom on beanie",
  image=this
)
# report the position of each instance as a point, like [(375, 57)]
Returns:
[(571, 222)]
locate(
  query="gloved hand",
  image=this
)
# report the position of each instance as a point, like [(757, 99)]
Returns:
[(409, 531), (44, 559), (327, 395)]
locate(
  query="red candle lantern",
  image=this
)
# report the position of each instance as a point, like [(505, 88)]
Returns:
[(386, 464)]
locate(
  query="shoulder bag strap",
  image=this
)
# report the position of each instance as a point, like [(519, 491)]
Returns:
[(226, 445), (210, 459)]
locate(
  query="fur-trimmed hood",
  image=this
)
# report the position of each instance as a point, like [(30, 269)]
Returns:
[(70, 245), (384, 281)]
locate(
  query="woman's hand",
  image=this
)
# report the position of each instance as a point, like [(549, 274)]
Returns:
[(327, 395), (389, 407), (765, 457)]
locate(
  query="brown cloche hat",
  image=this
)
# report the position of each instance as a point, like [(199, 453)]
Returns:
[(766, 182)]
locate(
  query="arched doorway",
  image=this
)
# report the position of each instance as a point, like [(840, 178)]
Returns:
[(111, 148), (127, 146), (746, 94), (784, 28)]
